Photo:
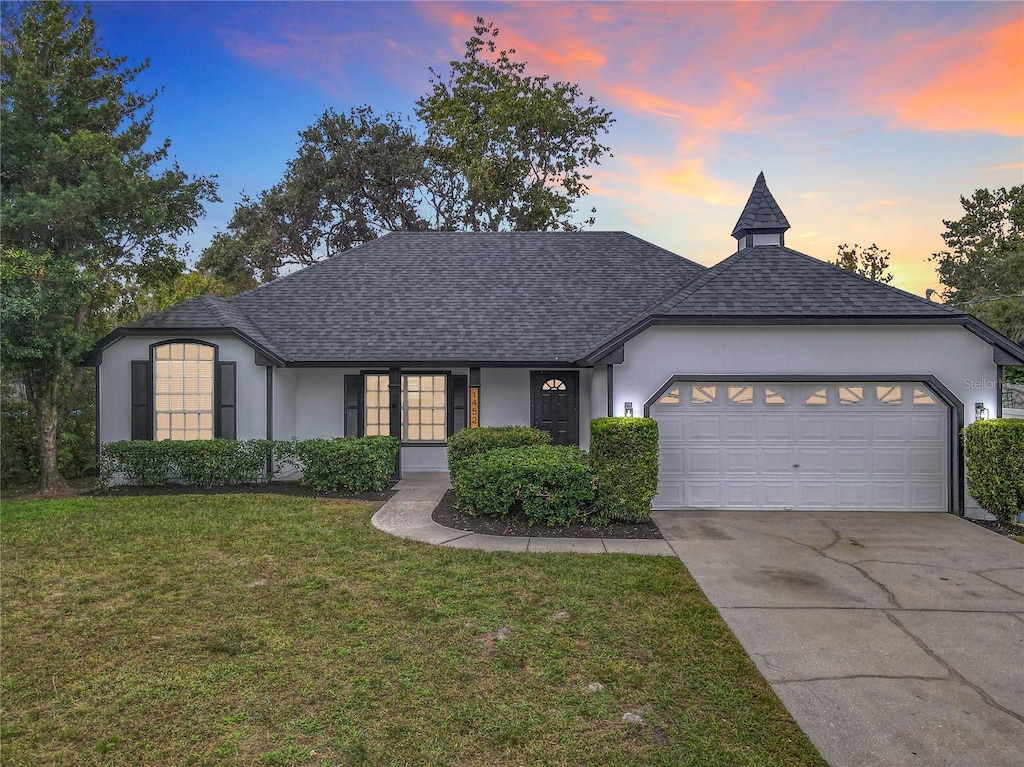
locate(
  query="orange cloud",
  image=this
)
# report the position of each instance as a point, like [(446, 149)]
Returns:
[(977, 83)]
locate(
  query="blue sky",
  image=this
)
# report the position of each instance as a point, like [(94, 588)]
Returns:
[(870, 120)]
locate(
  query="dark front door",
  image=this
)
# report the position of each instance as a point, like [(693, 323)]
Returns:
[(554, 402)]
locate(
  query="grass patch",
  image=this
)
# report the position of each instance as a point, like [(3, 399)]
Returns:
[(254, 629)]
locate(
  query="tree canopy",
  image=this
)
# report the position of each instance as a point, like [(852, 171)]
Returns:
[(86, 206), (982, 266), (494, 149), (871, 262)]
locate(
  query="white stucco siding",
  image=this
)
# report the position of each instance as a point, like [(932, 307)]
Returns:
[(504, 397), (115, 374), (319, 402), (960, 360)]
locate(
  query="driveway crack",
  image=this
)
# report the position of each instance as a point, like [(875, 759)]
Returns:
[(953, 673)]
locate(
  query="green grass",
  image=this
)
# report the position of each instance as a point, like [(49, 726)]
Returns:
[(256, 629)]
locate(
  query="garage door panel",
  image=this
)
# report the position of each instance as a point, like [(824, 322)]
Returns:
[(854, 495), (778, 460), (815, 494), (740, 494), (886, 460), (778, 494), (890, 428), (811, 428), (776, 428), (853, 461), (927, 462), (704, 460), (927, 427), (703, 427), (853, 445), (703, 494), (739, 461), (816, 460), (852, 428)]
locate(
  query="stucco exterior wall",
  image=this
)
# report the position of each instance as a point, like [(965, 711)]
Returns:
[(115, 377), (961, 361)]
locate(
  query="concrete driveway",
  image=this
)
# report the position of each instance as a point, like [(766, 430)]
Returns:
[(893, 639)]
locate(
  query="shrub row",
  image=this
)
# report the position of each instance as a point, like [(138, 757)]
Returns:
[(550, 484), (366, 463), (500, 469), (994, 452), (467, 443)]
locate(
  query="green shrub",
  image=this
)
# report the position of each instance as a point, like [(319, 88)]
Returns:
[(550, 484), (994, 452), (469, 442), (19, 458), (201, 462), (346, 463), (624, 459)]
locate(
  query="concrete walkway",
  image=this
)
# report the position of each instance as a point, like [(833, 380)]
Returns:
[(407, 515), (893, 639)]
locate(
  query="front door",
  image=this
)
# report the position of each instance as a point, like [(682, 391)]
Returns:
[(554, 403)]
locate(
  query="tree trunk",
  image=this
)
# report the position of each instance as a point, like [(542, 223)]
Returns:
[(51, 483)]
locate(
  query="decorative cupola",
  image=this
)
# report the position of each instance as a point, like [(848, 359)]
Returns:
[(762, 221)]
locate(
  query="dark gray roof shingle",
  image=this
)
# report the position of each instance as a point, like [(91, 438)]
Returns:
[(452, 296), (761, 213)]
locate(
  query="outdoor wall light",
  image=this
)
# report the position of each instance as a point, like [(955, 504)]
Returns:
[(980, 411), (629, 410)]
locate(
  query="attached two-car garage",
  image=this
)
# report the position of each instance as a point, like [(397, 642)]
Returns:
[(813, 445)]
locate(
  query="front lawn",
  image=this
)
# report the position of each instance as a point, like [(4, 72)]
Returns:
[(258, 629)]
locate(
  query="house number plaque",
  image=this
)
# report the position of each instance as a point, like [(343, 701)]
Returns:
[(474, 407)]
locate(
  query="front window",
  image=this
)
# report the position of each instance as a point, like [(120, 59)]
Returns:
[(424, 408), (183, 391), (378, 412)]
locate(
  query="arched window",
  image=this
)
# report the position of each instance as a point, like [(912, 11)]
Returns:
[(183, 390)]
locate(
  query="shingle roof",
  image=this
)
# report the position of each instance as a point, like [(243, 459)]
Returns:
[(772, 280), (761, 213), (451, 296)]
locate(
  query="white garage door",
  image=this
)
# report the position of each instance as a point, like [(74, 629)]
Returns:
[(857, 445)]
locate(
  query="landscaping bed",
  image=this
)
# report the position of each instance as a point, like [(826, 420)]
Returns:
[(515, 524)]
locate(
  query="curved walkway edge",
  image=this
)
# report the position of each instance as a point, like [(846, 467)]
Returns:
[(408, 515)]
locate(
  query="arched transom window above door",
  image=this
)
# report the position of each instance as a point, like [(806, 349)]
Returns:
[(553, 384)]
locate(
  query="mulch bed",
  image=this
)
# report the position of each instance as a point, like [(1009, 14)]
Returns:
[(517, 525), (998, 527), (271, 488)]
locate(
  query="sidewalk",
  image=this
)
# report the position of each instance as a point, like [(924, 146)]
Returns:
[(407, 515)]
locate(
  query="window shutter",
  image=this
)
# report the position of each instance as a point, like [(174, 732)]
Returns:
[(458, 403), (142, 400), (353, 406), (226, 411)]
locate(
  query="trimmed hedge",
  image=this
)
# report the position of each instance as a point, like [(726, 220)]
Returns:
[(366, 463), (551, 484), (345, 463), (466, 443), (994, 452), (624, 459), (203, 463)]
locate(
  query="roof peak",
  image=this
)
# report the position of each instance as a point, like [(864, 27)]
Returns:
[(761, 214)]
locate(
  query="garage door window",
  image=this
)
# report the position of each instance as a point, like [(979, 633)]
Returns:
[(817, 397), (702, 395), (851, 395), (741, 395), (889, 395), (923, 397), (775, 397)]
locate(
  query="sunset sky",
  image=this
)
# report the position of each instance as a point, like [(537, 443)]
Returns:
[(869, 120)]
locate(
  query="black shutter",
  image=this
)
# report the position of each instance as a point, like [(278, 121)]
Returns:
[(142, 400), (354, 406), (458, 403), (226, 411)]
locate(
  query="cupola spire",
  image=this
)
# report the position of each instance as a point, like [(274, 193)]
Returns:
[(762, 221)]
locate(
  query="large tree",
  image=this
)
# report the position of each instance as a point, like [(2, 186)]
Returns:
[(871, 262), (88, 204), (495, 149), (982, 267)]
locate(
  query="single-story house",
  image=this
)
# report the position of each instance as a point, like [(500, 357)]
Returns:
[(778, 380)]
